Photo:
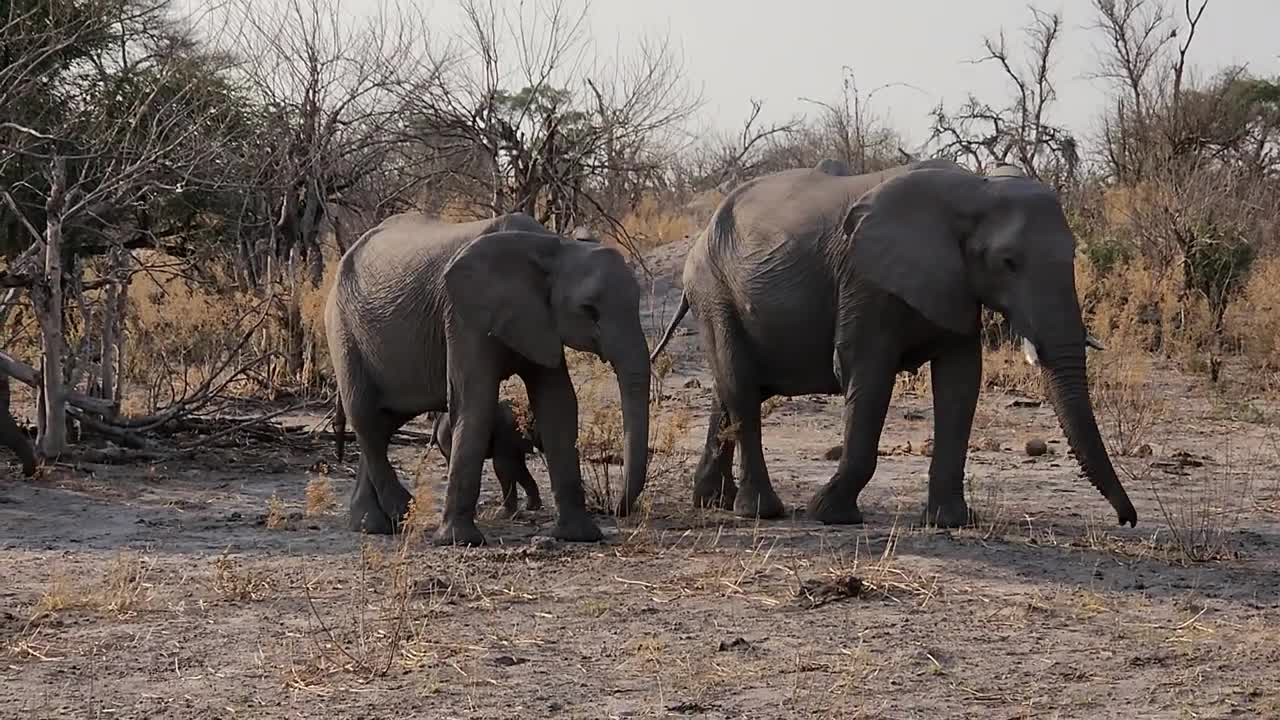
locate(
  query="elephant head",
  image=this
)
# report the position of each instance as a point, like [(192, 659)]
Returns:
[(537, 292), (946, 241)]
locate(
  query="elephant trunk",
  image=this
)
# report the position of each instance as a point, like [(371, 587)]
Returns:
[(630, 360), (1068, 390)]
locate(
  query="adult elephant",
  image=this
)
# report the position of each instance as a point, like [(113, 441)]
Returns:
[(426, 315), (809, 281), (11, 436)]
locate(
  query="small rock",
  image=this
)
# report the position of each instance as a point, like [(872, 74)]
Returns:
[(1037, 447), (1143, 450), (913, 415), (835, 452), (693, 383), (734, 644), (1021, 403), (542, 542), (926, 448), (508, 661)]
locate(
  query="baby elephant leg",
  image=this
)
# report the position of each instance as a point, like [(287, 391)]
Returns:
[(511, 448), (507, 448)]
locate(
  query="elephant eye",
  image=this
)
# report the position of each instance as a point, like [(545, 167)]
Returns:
[(591, 312), (1009, 263)]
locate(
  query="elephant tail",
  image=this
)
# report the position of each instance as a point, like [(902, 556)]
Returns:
[(339, 425), (671, 329)]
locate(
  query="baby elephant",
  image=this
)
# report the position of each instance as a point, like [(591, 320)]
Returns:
[(11, 435), (508, 447)]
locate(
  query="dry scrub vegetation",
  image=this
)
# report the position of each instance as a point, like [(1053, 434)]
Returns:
[(184, 552)]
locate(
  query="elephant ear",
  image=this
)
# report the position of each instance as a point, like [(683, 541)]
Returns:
[(907, 238), (499, 283)]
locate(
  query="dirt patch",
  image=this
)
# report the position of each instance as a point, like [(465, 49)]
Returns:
[(228, 587)]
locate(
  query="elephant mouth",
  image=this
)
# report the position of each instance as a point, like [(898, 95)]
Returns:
[(1032, 353)]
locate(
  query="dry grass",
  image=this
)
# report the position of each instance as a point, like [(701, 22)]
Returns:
[(1254, 320), (319, 497), (277, 515), (652, 223), (123, 587), (1203, 520), (235, 582)]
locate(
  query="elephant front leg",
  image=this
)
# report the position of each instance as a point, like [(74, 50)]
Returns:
[(957, 377), (555, 410), (868, 390), (713, 485), (472, 401)]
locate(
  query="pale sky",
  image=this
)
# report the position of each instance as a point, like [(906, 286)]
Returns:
[(781, 51)]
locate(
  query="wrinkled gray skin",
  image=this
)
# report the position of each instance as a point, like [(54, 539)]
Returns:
[(811, 282), (508, 448), (429, 316), (11, 436)]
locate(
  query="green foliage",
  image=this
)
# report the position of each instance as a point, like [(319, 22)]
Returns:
[(1106, 253), (1217, 264)]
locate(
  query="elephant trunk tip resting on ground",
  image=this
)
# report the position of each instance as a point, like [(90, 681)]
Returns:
[(429, 316), (814, 281), (11, 435)]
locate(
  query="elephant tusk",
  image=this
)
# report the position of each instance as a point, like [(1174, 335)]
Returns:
[(1029, 352), (1093, 342)]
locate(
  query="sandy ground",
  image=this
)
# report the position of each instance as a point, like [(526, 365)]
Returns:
[(226, 586)]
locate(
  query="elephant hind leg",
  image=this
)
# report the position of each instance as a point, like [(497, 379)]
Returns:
[(379, 502), (713, 484), (511, 471), (739, 389)]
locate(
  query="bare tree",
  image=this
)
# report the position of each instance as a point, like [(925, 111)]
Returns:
[(121, 161), (849, 129), (1019, 133), (730, 158), (540, 125)]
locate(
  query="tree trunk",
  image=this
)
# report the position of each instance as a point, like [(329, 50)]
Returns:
[(113, 309), (46, 299)]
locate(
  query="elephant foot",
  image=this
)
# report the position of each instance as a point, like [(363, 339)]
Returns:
[(577, 528), (533, 503), (395, 504), (715, 493), (831, 506), (763, 504), (372, 521), (949, 514), (366, 515), (459, 531)]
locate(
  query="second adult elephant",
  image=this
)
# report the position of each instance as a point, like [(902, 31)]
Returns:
[(429, 316), (807, 281)]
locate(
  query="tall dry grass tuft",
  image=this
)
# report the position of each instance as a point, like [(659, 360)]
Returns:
[(653, 222), (1125, 394), (1253, 321)]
